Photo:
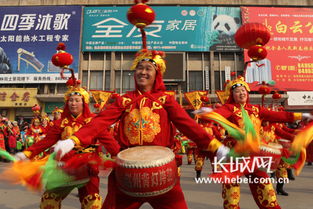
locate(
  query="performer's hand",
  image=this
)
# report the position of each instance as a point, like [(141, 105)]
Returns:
[(307, 116), (222, 152), (20, 156), (64, 146)]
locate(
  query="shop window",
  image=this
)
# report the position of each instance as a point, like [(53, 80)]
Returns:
[(195, 80), (128, 83), (96, 79), (219, 79), (107, 80)]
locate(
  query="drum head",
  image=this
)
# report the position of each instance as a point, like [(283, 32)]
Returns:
[(145, 156)]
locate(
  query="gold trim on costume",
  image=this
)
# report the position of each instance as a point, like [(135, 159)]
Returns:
[(297, 116), (214, 145), (75, 140), (27, 153)]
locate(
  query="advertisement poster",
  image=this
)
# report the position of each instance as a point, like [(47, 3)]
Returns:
[(29, 37), (174, 29), (290, 50)]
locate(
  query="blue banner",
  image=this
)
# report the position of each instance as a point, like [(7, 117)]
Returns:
[(29, 37), (174, 29)]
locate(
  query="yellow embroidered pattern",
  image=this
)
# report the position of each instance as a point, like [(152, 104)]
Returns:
[(142, 125)]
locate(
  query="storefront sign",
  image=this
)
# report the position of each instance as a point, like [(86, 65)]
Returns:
[(300, 98), (17, 97)]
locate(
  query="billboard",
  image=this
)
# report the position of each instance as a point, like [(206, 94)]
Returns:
[(174, 29), (29, 37), (290, 50)]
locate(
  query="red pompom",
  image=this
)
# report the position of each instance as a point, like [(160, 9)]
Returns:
[(61, 46), (276, 95), (204, 99), (96, 105), (70, 82), (36, 107)]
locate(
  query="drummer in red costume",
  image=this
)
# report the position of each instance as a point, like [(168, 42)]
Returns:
[(146, 116), (56, 113), (76, 114), (264, 194)]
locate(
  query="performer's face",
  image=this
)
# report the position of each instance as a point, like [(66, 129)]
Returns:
[(44, 122), (240, 95), (75, 104), (37, 123), (145, 75), (57, 115)]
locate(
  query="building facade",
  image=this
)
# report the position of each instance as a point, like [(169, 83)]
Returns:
[(110, 70)]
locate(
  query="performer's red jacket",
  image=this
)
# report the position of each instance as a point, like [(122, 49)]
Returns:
[(63, 129), (145, 119)]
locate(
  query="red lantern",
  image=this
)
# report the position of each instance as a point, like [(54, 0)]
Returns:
[(233, 73), (257, 52), (140, 15), (276, 95), (250, 34), (62, 59), (264, 89), (204, 99)]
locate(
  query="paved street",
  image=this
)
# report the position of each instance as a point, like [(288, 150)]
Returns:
[(198, 196)]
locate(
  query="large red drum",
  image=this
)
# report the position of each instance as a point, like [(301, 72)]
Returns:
[(274, 151), (146, 171), (285, 143)]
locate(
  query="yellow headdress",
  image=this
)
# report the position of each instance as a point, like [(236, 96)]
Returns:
[(45, 117), (239, 81), (74, 88), (155, 57), (35, 119), (57, 110)]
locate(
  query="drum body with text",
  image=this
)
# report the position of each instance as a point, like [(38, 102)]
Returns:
[(285, 143), (274, 151), (146, 171)]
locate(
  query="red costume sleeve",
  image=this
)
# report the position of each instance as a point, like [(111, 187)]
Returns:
[(289, 130), (283, 134), (99, 124), (110, 144), (186, 125), (225, 110), (274, 116), (216, 133), (264, 114), (53, 135)]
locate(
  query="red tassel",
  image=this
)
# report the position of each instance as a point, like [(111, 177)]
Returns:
[(34, 182)]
